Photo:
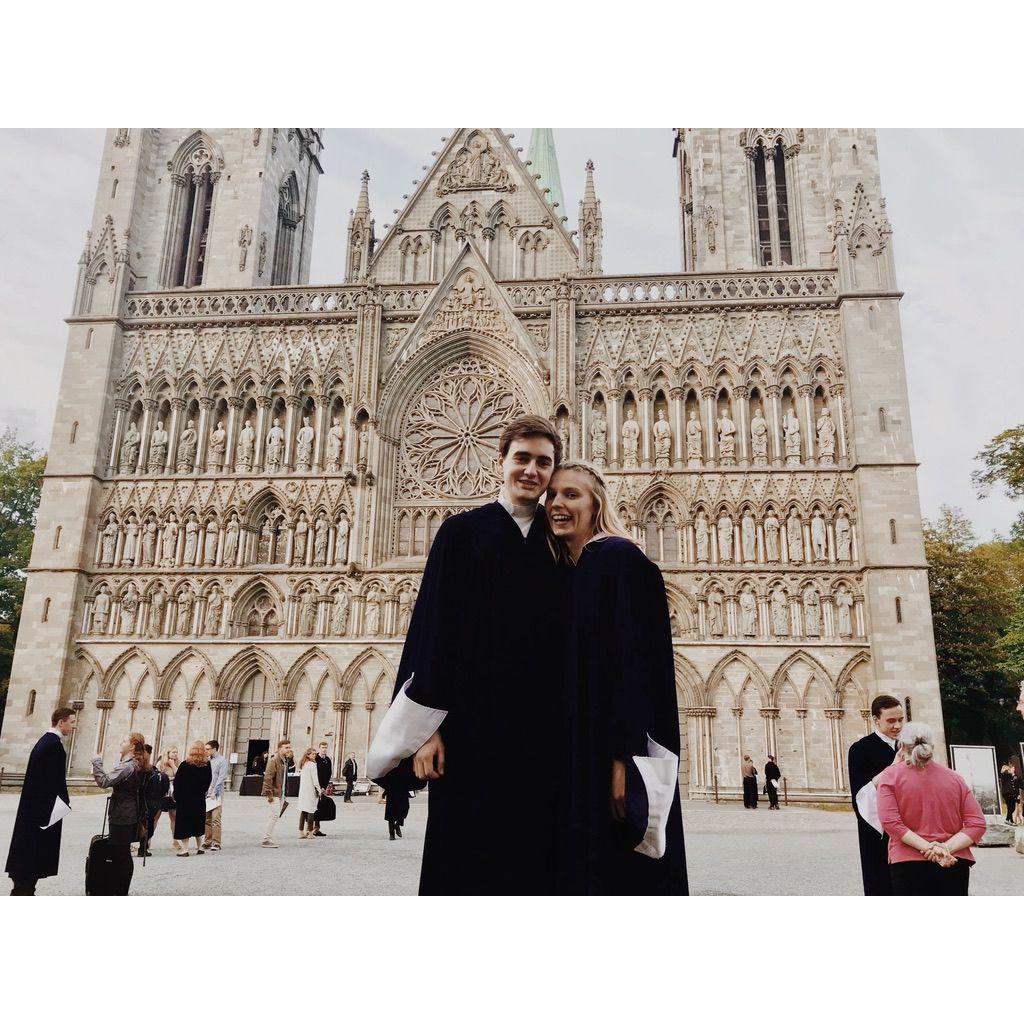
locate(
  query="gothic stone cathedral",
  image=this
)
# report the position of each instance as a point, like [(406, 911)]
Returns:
[(246, 471)]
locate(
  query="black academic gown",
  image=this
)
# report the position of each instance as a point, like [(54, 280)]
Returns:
[(867, 757), (481, 647), (619, 693), (35, 851)]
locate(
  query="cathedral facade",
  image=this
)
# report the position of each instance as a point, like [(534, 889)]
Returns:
[(246, 470)]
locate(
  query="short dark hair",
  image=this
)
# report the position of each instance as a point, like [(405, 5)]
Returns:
[(530, 426), (883, 702), (59, 715), (214, 744), (148, 749)]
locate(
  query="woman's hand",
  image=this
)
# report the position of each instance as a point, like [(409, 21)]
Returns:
[(428, 761), (618, 794)]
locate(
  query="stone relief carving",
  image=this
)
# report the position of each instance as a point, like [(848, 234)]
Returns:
[(187, 448), (630, 440), (244, 241), (662, 441), (726, 438), (275, 447), (791, 433), (694, 441), (826, 437), (759, 438), (475, 166), (130, 448), (304, 447)]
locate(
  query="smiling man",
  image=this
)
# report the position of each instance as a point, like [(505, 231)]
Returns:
[(476, 685)]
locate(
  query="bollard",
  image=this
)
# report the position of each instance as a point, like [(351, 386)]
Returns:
[(716, 789), (785, 791)]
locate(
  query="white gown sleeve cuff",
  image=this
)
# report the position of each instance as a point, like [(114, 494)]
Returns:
[(406, 727), (660, 774), (867, 804)]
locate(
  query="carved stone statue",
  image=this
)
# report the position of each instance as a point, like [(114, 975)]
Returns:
[(341, 540), (771, 537), (246, 447), (826, 431), (130, 448), (748, 612), (726, 438), (320, 534), (307, 613), (169, 547), (724, 538), (630, 440), (129, 610), (214, 607), (275, 448), (108, 545), (157, 611), (363, 446), (100, 611), (599, 440), (149, 533), (218, 446), (191, 541), (186, 601), (339, 619), (795, 537), (844, 538), (266, 542), (694, 440), (304, 446), (844, 611), (131, 541), (702, 534), (158, 449), (563, 435), (819, 541), (791, 434), (210, 539), (759, 438), (716, 617), (299, 545), (186, 460), (371, 627), (662, 441), (404, 611), (245, 232), (231, 541), (780, 612), (335, 445), (812, 612), (748, 534)]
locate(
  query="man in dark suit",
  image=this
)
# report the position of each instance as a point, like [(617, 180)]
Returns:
[(868, 758), (324, 774), (35, 843), (350, 772)]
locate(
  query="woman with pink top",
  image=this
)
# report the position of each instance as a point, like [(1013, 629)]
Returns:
[(931, 817)]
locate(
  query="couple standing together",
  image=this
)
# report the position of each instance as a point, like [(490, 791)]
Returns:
[(536, 694)]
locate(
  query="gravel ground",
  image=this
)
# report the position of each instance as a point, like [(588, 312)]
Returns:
[(730, 850)]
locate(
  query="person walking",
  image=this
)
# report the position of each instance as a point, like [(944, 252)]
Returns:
[(1010, 789), (309, 793), (772, 774), (396, 809), (749, 783), (124, 813), (218, 779), (350, 772), (35, 842), (168, 764), (931, 817), (324, 772), (274, 789), (191, 784)]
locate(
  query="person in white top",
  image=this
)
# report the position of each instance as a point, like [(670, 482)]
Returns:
[(309, 793)]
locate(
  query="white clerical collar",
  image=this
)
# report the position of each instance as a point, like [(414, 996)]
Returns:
[(522, 514), (56, 732), (888, 739)]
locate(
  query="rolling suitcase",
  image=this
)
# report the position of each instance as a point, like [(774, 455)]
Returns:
[(102, 868)]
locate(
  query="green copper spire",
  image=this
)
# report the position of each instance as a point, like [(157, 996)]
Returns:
[(545, 163)]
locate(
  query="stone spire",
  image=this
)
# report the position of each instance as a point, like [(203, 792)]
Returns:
[(591, 232), (544, 161), (360, 235)]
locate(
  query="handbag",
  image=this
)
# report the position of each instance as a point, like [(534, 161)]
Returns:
[(326, 809)]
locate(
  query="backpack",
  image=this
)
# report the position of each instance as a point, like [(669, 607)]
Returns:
[(153, 787)]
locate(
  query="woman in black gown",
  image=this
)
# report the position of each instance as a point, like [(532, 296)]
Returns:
[(622, 830), (191, 782)]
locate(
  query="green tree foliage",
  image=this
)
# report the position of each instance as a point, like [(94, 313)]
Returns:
[(21, 479), (976, 593), (1003, 462)]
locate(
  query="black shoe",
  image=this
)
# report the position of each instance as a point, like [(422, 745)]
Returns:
[(398, 831), (323, 835)]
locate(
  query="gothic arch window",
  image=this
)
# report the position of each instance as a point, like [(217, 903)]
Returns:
[(856, 156), (910, 708), (782, 206), (56, 537), (113, 190), (46, 610), (892, 531), (872, 318), (74, 432), (193, 182), (899, 610), (288, 218), (883, 420), (88, 339), (764, 232), (30, 707), (773, 195)]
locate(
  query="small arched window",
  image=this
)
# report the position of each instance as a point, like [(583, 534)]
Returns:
[(74, 432), (856, 157), (764, 231), (284, 241), (909, 707), (883, 420), (31, 705), (88, 339), (46, 610), (872, 318), (892, 531), (113, 190), (899, 610), (56, 537), (782, 205)]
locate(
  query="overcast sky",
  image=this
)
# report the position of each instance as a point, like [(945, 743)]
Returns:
[(955, 200)]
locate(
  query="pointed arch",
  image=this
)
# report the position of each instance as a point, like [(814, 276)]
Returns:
[(166, 679), (754, 673), (688, 682), (244, 664), (113, 674), (816, 669), (372, 659), (294, 675)]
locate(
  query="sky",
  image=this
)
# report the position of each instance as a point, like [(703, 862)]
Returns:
[(955, 200)]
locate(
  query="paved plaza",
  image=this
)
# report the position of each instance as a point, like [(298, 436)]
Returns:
[(730, 850)]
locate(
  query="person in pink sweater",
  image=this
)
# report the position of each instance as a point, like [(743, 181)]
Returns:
[(931, 817)]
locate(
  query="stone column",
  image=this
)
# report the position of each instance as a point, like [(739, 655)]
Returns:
[(585, 414), (263, 404), (161, 707), (370, 705), (810, 437), (834, 716), (647, 428), (710, 428), (770, 716), (234, 404), (836, 392), (148, 408), (801, 714), (774, 413), (773, 212), (104, 704), (320, 431), (741, 411), (202, 442), (120, 409), (291, 404), (177, 405), (614, 410), (677, 418)]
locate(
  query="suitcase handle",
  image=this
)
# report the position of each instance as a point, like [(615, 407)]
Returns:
[(106, 807)]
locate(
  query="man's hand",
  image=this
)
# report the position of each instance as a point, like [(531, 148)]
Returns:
[(428, 761), (619, 790), (270, 799)]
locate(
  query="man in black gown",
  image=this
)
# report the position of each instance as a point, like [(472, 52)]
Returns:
[(868, 758), (35, 844), (478, 670)]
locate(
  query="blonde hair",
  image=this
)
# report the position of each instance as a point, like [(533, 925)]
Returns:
[(309, 755), (607, 521), (918, 739)]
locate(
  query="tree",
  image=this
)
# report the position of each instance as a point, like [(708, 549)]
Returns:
[(1003, 461), (975, 592), (21, 480)]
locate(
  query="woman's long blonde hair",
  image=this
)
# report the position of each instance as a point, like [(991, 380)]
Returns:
[(607, 521), (308, 755)]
